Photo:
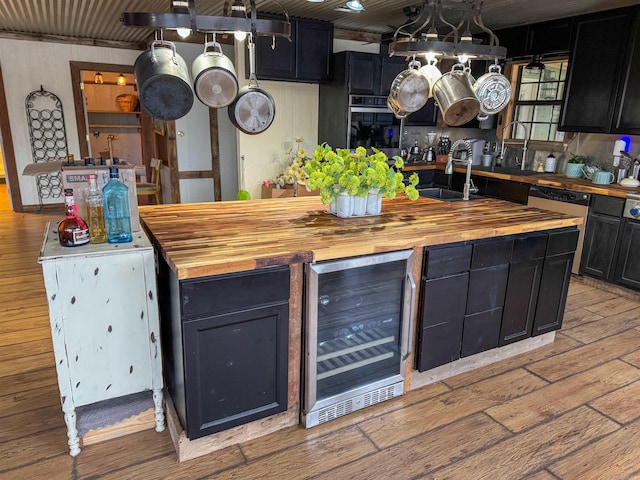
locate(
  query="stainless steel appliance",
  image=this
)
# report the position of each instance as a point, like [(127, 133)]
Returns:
[(372, 124), (357, 333), (563, 201)]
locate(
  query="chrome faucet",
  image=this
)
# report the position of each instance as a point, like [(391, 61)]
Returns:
[(524, 145), (469, 187)]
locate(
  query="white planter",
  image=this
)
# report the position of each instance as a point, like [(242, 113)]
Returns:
[(333, 206), (374, 203), (359, 206), (344, 205)]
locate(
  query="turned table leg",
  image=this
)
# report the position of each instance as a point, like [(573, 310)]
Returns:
[(159, 412), (72, 432)]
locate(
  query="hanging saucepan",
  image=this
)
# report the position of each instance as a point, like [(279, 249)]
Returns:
[(253, 110), (493, 91), (409, 90), (455, 96), (432, 73), (214, 77), (163, 80)]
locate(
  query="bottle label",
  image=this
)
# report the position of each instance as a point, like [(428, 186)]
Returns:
[(80, 237)]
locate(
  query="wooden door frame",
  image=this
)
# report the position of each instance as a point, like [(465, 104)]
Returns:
[(11, 169)]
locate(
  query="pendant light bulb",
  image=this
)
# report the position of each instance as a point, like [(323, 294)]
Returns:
[(122, 80), (98, 78), (239, 35), (432, 33), (183, 32), (355, 5), (430, 56), (462, 58)]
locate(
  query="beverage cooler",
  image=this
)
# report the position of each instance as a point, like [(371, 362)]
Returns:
[(357, 333)]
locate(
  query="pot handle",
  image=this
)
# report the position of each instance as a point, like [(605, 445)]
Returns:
[(165, 43), (252, 62), (495, 68), (215, 45), (414, 64)]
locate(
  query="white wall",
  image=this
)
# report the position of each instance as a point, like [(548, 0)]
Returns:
[(25, 66), (296, 116)]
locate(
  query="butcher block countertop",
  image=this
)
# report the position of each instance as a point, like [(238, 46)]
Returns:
[(546, 179), (205, 239)]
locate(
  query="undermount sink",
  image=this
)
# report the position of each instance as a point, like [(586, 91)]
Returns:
[(506, 170), (445, 195)]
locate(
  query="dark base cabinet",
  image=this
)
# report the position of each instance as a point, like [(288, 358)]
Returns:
[(627, 271), (225, 346), (598, 252), (556, 274), (479, 295)]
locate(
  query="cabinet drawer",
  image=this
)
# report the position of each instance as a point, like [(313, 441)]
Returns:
[(492, 252), (226, 293), (607, 205), (529, 247), (447, 261), (562, 241)]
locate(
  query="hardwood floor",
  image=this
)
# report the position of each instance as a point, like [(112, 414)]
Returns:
[(569, 410)]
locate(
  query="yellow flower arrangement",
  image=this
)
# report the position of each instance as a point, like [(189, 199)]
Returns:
[(294, 172)]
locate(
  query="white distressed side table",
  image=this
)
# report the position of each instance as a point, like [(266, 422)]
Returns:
[(104, 323)]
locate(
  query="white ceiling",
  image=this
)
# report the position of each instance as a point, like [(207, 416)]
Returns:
[(99, 19)]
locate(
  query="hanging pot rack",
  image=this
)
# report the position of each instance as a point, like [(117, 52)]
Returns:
[(188, 19)]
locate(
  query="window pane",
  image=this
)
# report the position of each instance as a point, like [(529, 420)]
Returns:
[(563, 72), (548, 91), (518, 132), (530, 76), (560, 91), (524, 113), (542, 113), (555, 115), (540, 131), (528, 91)]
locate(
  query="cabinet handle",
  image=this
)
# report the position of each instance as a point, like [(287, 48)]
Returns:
[(408, 335)]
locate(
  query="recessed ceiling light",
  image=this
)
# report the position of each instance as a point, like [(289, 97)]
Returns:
[(355, 5), (315, 1), (344, 9)]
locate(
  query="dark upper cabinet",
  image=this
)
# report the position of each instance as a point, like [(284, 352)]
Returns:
[(544, 38), (626, 118), (390, 68), (627, 271), (305, 59), (365, 70), (598, 55)]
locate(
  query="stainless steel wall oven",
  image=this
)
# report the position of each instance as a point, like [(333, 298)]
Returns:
[(372, 124), (357, 333)]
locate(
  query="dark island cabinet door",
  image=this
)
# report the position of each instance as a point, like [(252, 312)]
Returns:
[(443, 310), (627, 271), (598, 251), (235, 368), (595, 69), (520, 300)]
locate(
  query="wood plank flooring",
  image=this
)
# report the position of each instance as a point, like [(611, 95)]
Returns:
[(569, 410)]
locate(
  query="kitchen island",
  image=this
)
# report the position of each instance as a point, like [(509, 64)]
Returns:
[(218, 260)]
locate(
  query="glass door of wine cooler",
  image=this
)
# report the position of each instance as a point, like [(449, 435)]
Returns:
[(357, 327)]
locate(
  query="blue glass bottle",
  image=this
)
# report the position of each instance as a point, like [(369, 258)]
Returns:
[(117, 216)]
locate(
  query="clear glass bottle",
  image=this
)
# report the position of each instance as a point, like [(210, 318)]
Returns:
[(117, 215), (72, 231), (95, 212)]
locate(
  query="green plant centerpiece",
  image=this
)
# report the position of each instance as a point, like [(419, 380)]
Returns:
[(575, 158), (360, 177), (574, 166)]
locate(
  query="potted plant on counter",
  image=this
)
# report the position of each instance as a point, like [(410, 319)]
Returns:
[(574, 166), (356, 181)]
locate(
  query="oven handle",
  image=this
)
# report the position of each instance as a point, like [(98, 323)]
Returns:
[(370, 110), (409, 334)]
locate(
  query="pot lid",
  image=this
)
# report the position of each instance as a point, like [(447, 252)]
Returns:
[(254, 111)]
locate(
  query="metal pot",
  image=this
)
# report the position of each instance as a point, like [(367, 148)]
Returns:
[(163, 80), (455, 96), (253, 110), (493, 91), (409, 90), (214, 77)]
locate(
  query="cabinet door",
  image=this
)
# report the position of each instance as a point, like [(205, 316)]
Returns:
[(556, 273), (481, 332), (599, 248), (595, 68), (314, 46), (628, 105), (440, 330), (277, 63), (549, 37), (628, 265), (487, 288), (364, 73), (520, 300), (235, 368), (391, 67)]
